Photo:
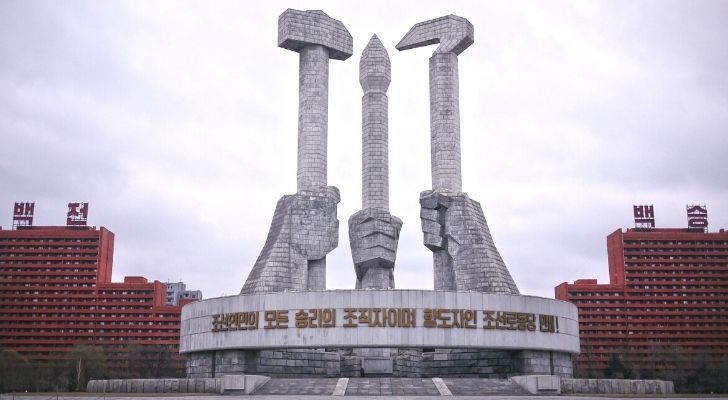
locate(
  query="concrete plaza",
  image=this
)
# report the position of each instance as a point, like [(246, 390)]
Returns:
[(82, 396)]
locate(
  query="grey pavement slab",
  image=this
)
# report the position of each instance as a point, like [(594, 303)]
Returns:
[(298, 386), (391, 387), (46, 396)]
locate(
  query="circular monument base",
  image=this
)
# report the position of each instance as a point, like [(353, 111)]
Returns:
[(412, 333)]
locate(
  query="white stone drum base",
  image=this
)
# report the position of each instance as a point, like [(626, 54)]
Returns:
[(406, 333)]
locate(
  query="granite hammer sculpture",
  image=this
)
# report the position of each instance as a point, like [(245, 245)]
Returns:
[(454, 226), (305, 227)]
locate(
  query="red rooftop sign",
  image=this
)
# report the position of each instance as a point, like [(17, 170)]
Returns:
[(23, 214), (644, 216), (77, 214), (697, 216)]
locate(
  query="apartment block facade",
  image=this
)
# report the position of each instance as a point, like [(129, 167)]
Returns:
[(56, 292), (666, 303)]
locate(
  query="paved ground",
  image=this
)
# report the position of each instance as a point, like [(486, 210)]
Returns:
[(391, 387), (362, 388), (288, 397)]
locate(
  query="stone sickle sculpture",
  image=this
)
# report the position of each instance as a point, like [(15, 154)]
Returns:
[(454, 226), (373, 231), (305, 227)]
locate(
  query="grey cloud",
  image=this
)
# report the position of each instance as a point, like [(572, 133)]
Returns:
[(178, 122)]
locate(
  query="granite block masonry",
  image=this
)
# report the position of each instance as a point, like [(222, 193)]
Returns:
[(305, 227), (373, 231), (303, 231), (316, 37), (285, 324), (465, 257), (454, 226), (455, 34), (424, 333)]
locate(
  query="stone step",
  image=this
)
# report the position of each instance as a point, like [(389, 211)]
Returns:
[(299, 386), (391, 387), (483, 387), (387, 386)]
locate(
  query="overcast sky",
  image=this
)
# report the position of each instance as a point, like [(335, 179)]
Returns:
[(177, 122)]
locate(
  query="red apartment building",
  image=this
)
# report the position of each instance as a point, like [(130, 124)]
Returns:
[(666, 303), (56, 292)]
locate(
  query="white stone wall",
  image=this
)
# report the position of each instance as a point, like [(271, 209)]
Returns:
[(197, 321)]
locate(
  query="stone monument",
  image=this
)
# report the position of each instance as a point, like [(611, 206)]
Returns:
[(305, 227), (373, 231), (284, 322), (454, 226)]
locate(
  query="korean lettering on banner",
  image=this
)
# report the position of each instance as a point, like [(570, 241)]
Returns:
[(275, 319), (235, 321), (380, 317), (387, 317), (316, 318), (548, 323), (508, 320), (526, 322), (349, 317), (450, 318), (430, 317)]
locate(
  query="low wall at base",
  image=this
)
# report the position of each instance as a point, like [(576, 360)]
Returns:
[(616, 386), (533, 384), (495, 363), (278, 363), (404, 362), (230, 384), (172, 385)]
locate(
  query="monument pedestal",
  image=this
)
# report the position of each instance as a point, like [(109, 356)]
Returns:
[(403, 333)]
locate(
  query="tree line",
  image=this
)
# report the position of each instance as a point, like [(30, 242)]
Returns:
[(85, 362), (690, 373)]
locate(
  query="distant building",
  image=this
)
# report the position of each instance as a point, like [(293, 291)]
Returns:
[(56, 292), (666, 303), (177, 294)]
